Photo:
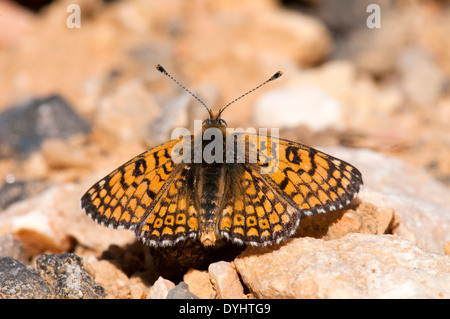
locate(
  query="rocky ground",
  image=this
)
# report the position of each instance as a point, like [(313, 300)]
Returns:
[(75, 103)]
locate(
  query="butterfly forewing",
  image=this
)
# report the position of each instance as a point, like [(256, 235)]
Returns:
[(126, 196), (310, 180)]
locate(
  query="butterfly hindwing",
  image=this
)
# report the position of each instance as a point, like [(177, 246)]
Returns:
[(173, 217), (254, 212)]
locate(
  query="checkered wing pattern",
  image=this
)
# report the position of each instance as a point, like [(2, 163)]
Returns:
[(266, 200)]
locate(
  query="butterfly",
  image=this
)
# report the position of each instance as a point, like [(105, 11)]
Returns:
[(246, 200)]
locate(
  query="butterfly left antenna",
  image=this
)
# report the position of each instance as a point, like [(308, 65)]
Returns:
[(163, 71)]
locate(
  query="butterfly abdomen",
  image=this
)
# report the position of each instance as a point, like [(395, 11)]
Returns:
[(210, 187)]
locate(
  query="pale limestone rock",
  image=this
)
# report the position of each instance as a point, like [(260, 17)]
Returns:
[(355, 266), (37, 222), (421, 203), (298, 106), (48, 220)]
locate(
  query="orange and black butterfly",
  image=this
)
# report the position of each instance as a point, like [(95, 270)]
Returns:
[(165, 201)]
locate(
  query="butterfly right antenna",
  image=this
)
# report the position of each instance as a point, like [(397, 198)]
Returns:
[(274, 77)]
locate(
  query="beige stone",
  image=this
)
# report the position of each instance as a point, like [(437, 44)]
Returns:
[(59, 154), (126, 112), (138, 290), (355, 218), (355, 266), (109, 276), (225, 281), (199, 284)]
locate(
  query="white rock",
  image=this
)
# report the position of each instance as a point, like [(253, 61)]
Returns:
[(290, 107), (160, 289)]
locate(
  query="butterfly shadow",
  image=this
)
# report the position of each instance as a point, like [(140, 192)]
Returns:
[(322, 226), (172, 263)]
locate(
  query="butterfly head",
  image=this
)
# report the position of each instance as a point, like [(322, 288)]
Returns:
[(214, 121)]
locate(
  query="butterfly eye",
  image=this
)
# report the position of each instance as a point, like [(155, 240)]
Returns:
[(207, 121), (222, 122)]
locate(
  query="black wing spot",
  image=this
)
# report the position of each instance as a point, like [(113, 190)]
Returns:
[(292, 155), (140, 167)]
